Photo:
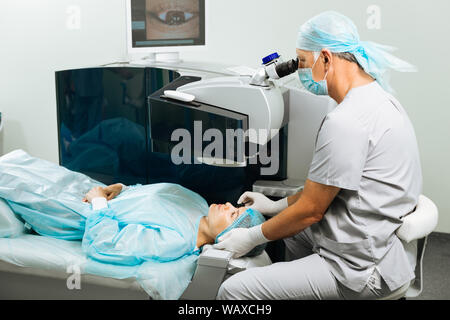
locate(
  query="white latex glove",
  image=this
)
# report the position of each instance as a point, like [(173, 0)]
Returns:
[(260, 202), (241, 240)]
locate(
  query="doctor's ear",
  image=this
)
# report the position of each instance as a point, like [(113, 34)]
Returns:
[(326, 55)]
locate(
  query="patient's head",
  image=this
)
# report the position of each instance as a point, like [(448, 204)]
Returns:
[(220, 216), (225, 217)]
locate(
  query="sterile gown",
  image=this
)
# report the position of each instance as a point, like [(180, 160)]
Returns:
[(148, 231)]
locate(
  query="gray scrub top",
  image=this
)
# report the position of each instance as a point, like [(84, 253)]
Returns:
[(367, 147)]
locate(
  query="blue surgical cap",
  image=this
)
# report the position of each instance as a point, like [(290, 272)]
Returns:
[(248, 219), (336, 32)]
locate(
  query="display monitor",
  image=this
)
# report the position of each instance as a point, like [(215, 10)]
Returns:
[(163, 28)]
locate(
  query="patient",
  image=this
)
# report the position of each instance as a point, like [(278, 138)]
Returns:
[(159, 222), (220, 218)]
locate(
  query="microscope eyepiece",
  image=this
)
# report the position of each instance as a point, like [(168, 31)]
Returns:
[(273, 69), (286, 68)]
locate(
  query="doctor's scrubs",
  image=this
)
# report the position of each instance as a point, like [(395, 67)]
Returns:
[(367, 147)]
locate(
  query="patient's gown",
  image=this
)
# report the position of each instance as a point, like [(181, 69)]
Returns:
[(148, 232)]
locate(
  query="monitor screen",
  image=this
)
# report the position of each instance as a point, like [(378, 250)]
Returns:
[(166, 23)]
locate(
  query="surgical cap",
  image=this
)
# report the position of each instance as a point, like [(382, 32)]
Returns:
[(336, 32), (248, 219)]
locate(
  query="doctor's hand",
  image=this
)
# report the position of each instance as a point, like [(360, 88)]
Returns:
[(260, 202), (241, 240)]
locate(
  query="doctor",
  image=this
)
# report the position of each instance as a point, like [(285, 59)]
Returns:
[(365, 175)]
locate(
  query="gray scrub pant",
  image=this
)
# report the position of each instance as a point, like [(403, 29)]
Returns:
[(304, 276)]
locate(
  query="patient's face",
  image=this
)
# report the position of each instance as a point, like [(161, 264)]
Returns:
[(220, 216)]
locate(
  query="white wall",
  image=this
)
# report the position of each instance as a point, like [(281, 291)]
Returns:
[(35, 42)]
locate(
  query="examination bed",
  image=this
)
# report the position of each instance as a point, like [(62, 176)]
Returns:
[(51, 272)]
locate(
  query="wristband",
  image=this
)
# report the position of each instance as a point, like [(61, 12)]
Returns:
[(99, 203)]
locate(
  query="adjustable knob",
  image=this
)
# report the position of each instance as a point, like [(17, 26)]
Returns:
[(270, 58)]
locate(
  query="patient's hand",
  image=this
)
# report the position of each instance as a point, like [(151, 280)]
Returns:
[(95, 193), (113, 190)]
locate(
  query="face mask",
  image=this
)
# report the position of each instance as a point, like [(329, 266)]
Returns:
[(306, 77)]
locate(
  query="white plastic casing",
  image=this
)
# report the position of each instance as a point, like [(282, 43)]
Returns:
[(177, 95)]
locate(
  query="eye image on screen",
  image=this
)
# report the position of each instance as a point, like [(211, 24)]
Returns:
[(168, 22), (172, 19)]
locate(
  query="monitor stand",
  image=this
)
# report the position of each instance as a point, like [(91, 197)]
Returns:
[(172, 57)]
